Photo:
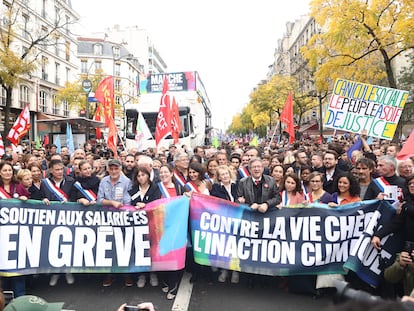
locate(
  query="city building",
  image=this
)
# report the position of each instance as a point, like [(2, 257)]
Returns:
[(43, 31), (138, 42)]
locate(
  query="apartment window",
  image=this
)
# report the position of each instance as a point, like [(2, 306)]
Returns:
[(97, 49), (25, 33), (57, 73), (43, 101), (55, 105), (67, 20), (117, 85), (67, 74), (57, 52), (117, 100), (43, 10), (67, 50), (24, 96), (117, 69), (57, 15), (65, 108), (44, 68), (98, 65), (84, 66), (3, 97), (116, 51)]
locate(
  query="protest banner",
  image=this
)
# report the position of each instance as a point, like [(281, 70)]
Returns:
[(38, 238), (355, 106), (289, 241)]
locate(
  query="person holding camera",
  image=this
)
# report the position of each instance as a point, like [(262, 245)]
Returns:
[(402, 270)]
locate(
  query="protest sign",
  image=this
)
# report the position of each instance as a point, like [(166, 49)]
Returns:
[(355, 106), (38, 238), (289, 241)]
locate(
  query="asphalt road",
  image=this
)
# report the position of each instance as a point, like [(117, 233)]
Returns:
[(205, 294)]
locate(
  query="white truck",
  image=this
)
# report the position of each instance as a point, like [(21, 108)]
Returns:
[(193, 104)]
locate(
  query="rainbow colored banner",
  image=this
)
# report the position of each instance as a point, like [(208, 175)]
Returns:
[(36, 238), (291, 241)]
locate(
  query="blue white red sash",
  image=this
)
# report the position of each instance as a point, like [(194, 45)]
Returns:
[(285, 198), (305, 191), (4, 194), (192, 187), (381, 183), (243, 171), (164, 190), (87, 193), (207, 176), (57, 192), (180, 179)]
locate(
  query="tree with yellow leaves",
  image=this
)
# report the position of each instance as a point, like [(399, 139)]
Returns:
[(359, 40)]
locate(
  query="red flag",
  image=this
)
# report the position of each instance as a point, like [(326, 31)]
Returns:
[(176, 126), (20, 127), (407, 151), (105, 95), (112, 142), (287, 117), (163, 125), (45, 140), (1, 146), (97, 117)]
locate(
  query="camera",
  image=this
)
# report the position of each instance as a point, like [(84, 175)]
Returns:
[(409, 247)]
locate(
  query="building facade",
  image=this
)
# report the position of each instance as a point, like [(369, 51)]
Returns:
[(41, 30)]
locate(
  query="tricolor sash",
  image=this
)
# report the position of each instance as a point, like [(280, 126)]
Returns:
[(180, 179), (207, 176), (163, 190), (381, 183), (305, 191), (244, 172), (285, 199), (192, 187), (4, 194), (57, 192), (88, 194)]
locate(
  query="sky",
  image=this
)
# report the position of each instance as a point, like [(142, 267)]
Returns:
[(229, 42)]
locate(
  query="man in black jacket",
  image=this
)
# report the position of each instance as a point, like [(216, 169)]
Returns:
[(330, 170)]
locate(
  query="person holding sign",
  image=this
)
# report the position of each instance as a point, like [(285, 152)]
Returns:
[(87, 183), (259, 191), (388, 186), (316, 193), (225, 188), (142, 192), (346, 190), (59, 187), (291, 191)]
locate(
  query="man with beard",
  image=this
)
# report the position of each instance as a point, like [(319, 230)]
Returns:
[(330, 170), (129, 166)]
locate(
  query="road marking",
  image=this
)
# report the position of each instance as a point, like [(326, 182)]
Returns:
[(182, 300)]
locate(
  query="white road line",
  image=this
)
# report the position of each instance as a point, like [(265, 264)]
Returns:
[(182, 300)]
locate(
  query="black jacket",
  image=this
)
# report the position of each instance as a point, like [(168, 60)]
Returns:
[(153, 193), (219, 191), (373, 190)]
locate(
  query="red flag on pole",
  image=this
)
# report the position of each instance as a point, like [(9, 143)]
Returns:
[(112, 142), (105, 95), (20, 127), (176, 126), (163, 125), (97, 117), (287, 117), (407, 151)]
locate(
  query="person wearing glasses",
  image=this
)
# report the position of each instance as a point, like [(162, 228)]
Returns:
[(316, 192)]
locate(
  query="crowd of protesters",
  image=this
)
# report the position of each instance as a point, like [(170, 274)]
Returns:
[(272, 175)]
